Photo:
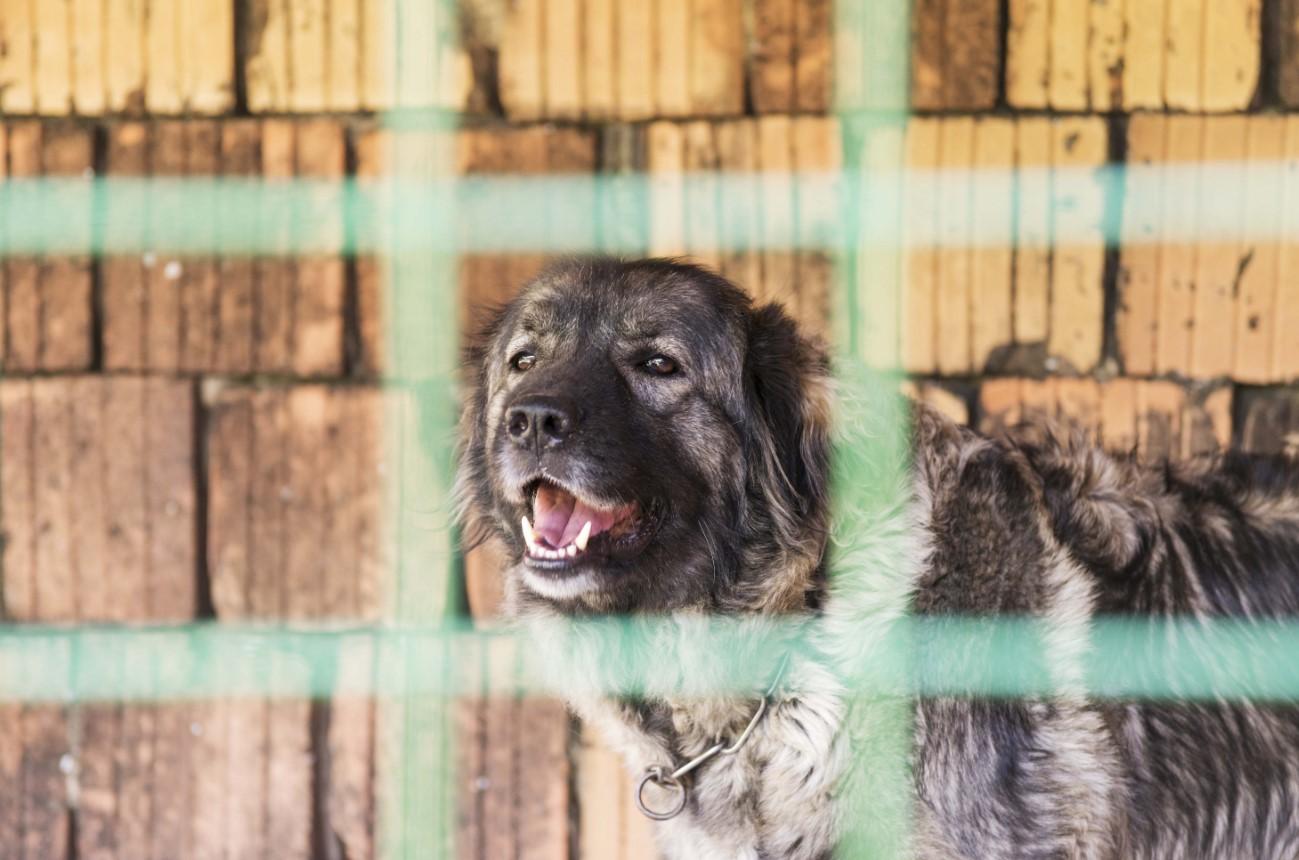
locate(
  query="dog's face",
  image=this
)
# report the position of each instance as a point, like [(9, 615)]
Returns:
[(642, 438)]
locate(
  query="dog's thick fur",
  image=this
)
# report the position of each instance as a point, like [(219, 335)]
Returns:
[(732, 454)]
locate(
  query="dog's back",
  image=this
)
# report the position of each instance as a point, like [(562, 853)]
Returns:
[(1044, 528)]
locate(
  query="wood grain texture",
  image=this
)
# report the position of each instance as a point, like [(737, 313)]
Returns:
[(18, 60), (1078, 262), (1138, 280), (600, 58), (320, 288), (1259, 277), (52, 39), (23, 273), (66, 325), (771, 63), (1184, 54), (952, 296), (88, 39), (1219, 262), (1105, 57), (1033, 231), (920, 264), (522, 63), (672, 57), (813, 60), (637, 61), (124, 55), (737, 151), (1067, 86), (1177, 261), (1143, 54), (564, 65), (991, 298), (170, 495), (1285, 351), (17, 498), (1232, 54), (127, 505), (973, 47), (123, 278)]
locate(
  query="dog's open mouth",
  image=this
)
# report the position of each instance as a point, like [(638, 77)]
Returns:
[(566, 529)]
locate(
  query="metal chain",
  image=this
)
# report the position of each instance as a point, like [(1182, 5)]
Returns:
[(672, 781)]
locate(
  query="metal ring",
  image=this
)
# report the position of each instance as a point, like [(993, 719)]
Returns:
[(656, 776)]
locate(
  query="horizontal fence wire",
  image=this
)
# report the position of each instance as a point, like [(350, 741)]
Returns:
[(1204, 659), (571, 213)]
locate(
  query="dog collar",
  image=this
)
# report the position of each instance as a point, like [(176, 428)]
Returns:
[(672, 781)]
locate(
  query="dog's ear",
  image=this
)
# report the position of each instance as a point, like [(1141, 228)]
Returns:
[(787, 382)]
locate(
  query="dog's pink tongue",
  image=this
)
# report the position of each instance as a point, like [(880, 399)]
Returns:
[(560, 517)]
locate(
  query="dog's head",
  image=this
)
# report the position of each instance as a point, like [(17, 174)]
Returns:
[(641, 437)]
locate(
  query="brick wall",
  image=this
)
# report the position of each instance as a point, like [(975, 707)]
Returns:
[(205, 437)]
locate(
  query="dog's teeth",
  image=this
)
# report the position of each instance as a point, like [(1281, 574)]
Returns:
[(572, 550), (529, 536), (583, 536)]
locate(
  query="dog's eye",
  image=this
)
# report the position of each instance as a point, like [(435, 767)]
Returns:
[(660, 365), (523, 361)]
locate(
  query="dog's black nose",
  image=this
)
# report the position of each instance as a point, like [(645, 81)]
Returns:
[(540, 421)]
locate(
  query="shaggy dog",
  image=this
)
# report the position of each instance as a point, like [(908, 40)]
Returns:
[(646, 441)]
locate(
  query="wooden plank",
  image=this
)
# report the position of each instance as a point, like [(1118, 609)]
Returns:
[(308, 55), (1038, 399), (1143, 55), (372, 522), (210, 728), (18, 59), (351, 750), (600, 790), (234, 322), (379, 55), (717, 54), (928, 54), (1118, 419), (1105, 58), (817, 152), (1159, 418), (172, 778), (164, 81), (53, 57), (289, 765), (484, 584), (737, 149), (1183, 54), (636, 61), (167, 158), (55, 557), (1218, 262), (134, 765), (600, 59), (665, 159), (562, 59), (879, 298), (124, 55), (771, 60), (991, 295), (419, 52), (1138, 279), (999, 404), (972, 42), (199, 285), (1067, 86), (500, 766), (229, 448), (522, 61), (17, 498), (1079, 405), (1285, 352), (123, 276), (88, 37), (273, 299), (266, 65), (920, 264), (4, 291), (319, 293), (97, 781), (776, 162), (336, 493), (245, 803), (1078, 265), (1210, 423), (813, 60), (88, 516), (44, 794), (1260, 275), (343, 66), (306, 517), (543, 779), (371, 163), (66, 282), (1033, 141), (1232, 54), (170, 499), (22, 274), (1181, 202), (266, 549), (672, 22), (126, 507), (209, 28), (701, 204), (954, 271)]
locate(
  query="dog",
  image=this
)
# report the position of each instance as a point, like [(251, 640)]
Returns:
[(646, 441)]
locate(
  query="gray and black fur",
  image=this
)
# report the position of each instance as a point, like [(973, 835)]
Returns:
[(728, 458)]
